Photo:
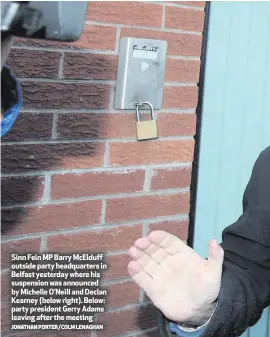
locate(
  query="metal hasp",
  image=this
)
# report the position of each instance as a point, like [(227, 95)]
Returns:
[(140, 75), (146, 129)]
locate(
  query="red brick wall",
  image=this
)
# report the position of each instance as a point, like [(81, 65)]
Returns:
[(74, 176)]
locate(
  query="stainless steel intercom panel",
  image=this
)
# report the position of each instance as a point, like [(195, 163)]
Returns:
[(141, 69)]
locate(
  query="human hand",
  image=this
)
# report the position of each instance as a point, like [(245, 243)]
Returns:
[(179, 282)]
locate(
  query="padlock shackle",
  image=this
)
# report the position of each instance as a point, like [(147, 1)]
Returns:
[(138, 105)]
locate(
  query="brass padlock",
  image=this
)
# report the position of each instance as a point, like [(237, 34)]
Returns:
[(146, 129)]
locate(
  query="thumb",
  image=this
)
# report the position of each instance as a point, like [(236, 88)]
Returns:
[(215, 257)]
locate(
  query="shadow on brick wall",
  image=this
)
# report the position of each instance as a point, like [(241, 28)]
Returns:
[(147, 318), (32, 151), (29, 158), (54, 139)]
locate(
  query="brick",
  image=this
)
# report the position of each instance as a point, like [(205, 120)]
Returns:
[(119, 238), (182, 70), (15, 190), (180, 97), (126, 13), (96, 125), (31, 126), (97, 37), (120, 125), (154, 333), (34, 63), (19, 41), (184, 19), (97, 183), (43, 157), (178, 228), (5, 317), (65, 95), (117, 267), (121, 322), (20, 247), (191, 3), (5, 286), (170, 124), (171, 178), (152, 152), (90, 66), (28, 220), (178, 43), (115, 294), (144, 207), (93, 37)]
